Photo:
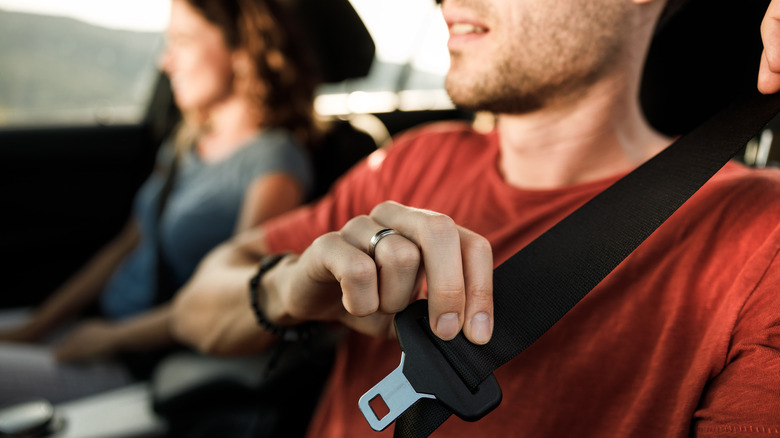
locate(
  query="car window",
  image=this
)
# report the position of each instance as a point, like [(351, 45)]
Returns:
[(78, 61), (83, 62), (410, 65)]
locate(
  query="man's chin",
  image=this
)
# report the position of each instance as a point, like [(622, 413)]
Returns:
[(506, 103), (463, 95)]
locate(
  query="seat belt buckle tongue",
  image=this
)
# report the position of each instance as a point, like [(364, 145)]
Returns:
[(425, 373), (397, 394)]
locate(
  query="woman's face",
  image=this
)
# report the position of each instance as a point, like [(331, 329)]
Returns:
[(197, 60)]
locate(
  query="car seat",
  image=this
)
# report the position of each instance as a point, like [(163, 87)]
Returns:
[(273, 394)]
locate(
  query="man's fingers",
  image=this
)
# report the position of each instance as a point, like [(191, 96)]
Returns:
[(352, 268), (769, 71), (397, 261), (441, 251), (376, 325), (458, 266), (478, 272), (438, 238), (768, 80), (770, 35)]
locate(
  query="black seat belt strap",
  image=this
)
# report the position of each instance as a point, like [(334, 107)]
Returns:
[(164, 285), (540, 283)]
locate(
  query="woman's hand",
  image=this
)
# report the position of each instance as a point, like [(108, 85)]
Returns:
[(91, 339), (23, 334)]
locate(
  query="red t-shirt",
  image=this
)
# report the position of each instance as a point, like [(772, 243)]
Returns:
[(683, 338)]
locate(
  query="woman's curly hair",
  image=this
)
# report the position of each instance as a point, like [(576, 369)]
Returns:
[(284, 77)]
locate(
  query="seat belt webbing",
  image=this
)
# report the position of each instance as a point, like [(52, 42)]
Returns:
[(540, 283)]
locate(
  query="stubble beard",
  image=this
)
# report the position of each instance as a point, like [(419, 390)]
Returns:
[(499, 90), (550, 69)]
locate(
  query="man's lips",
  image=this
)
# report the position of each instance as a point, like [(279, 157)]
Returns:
[(465, 29), (462, 33)]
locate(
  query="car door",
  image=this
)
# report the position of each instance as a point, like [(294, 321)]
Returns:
[(82, 110)]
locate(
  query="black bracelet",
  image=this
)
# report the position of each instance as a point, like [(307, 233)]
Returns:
[(286, 333)]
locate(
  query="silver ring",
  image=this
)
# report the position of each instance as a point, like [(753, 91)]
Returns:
[(381, 234)]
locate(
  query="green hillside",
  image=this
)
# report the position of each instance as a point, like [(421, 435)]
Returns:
[(55, 63)]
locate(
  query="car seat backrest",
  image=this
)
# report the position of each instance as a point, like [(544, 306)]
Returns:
[(339, 39), (700, 60), (342, 147)]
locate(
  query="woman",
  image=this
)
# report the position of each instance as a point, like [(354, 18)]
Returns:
[(244, 85)]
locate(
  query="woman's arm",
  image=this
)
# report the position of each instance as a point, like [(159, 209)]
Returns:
[(212, 311), (269, 196), (94, 338)]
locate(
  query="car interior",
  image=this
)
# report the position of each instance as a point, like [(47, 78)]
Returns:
[(67, 185)]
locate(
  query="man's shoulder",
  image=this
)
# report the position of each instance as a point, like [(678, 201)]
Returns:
[(747, 196), (748, 183)]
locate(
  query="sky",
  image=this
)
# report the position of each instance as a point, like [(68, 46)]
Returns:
[(401, 28)]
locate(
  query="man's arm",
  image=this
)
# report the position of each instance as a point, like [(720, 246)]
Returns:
[(267, 197), (336, 280), (212, 312), (745, 395)]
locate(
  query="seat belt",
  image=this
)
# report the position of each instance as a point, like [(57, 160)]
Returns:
[(540, 283), (164, 284)]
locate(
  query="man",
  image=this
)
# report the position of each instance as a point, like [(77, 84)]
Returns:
[(681, 339)]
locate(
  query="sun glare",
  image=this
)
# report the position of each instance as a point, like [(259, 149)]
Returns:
[(403, 30), (407, 30), (139, 15)]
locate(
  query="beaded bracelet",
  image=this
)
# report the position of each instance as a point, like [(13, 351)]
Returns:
[(303, 331)]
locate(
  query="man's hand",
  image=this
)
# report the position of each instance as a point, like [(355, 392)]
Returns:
[(769, 72), (336, 279)]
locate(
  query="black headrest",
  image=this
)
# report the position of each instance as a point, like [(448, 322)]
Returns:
[(704, 55), (343, 47)]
